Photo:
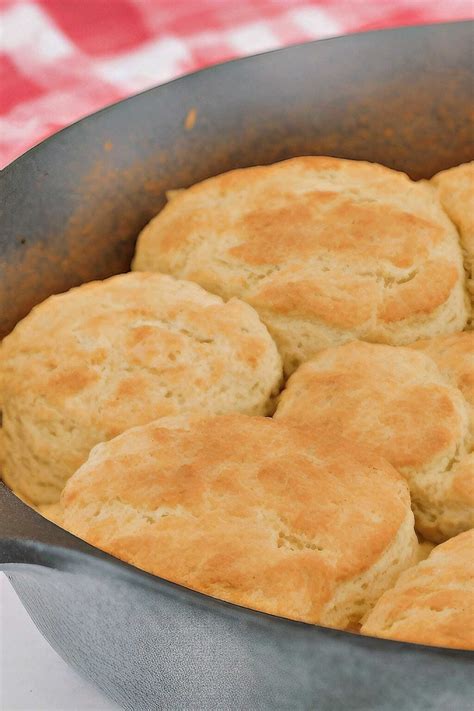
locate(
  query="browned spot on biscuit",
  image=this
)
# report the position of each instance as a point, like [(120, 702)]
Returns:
[(423, 294), (71, 381)]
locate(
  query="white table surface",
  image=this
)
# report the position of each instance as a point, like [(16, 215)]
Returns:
[(32, 676)]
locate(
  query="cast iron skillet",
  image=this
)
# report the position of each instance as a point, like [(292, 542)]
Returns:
[(74, 206)]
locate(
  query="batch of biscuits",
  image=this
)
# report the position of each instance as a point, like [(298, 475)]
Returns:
[(275, 407)]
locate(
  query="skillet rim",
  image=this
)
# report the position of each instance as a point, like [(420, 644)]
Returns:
[(220, 65)]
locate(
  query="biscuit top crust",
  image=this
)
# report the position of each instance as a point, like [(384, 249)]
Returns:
[(411, 406), (433, 602), (394, 399), (88, 364), (454, 356), (456, 192), (139, 346), (354, 246), (243, 508)]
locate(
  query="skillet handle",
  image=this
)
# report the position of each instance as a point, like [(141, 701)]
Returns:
[(27, 537)]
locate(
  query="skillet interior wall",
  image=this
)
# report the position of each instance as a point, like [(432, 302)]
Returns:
[(76, 203)]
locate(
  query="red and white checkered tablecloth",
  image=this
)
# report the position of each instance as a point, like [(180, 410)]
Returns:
[(62, 59)]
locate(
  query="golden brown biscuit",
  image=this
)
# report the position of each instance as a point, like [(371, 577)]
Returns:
[(424, 549), (2, 448), (87, 365), (252, 511), (396, 401), (456, 192), (454, 356), (433, 602), (327, 250), (54, 513)]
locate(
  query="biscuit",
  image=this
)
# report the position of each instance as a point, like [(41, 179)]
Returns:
[(456, 191), (454, 356), (433, 602), (396, 401), (53, 512), (88, 364), (424, 549), (252, 511), (327, 250)]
